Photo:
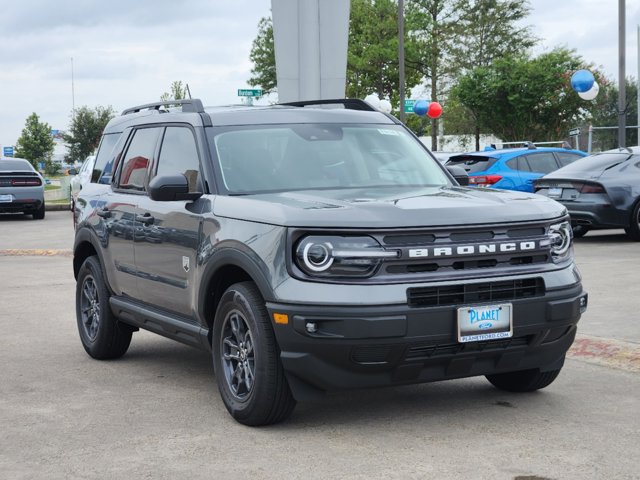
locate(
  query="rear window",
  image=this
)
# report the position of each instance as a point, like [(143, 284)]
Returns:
[(14, 165), (597, 162), (472, 163)]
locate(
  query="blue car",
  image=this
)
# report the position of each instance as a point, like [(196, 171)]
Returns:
[(513, 168)]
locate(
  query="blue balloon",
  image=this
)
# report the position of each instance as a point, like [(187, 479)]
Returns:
[(582, 81), (420, 107)]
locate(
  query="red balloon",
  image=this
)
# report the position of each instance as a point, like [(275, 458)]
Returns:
[(434, 110)]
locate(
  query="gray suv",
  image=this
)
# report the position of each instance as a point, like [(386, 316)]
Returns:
[(315, 247)]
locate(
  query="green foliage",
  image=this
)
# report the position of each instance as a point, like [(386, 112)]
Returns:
[(264, 58), (35, 143), (372, 57), (518, 98), (85, 130), (51, 168), (178, 92), (604, 113)]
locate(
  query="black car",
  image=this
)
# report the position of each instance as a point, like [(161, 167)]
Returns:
[(599, 191), (315, 249)]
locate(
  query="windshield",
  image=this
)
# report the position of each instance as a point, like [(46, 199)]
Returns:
[(309, 156)]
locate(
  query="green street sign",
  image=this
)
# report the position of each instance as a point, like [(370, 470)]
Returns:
[(408, 106), (249, 92)]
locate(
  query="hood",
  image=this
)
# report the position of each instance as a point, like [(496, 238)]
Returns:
[(389, 208)]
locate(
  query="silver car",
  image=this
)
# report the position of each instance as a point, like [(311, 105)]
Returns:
[(21, 188), (81, 178)]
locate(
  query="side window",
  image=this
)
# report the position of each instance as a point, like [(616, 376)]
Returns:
[(136, 161), (542, 162), (179, 154), (513, 164), (103, 168), (523, 165), (565, 158)]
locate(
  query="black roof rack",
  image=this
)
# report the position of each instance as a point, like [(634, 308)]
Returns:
[(193, 105), (348, 103)]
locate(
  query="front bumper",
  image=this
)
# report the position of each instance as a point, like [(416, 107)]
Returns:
[(372, 346)]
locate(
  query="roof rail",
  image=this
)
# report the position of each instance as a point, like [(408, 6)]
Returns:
[(348, 103), (188, 105)]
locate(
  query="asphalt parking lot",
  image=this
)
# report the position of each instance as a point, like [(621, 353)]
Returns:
[(156, 412)]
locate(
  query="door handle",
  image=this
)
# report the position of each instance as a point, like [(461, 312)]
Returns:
[(147, 219), (104, 213)]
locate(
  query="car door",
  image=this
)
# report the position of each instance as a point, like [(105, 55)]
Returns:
[(167, 241), (539, 164), (119, 211)]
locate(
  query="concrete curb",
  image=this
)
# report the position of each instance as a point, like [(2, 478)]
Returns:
[(57, 207)]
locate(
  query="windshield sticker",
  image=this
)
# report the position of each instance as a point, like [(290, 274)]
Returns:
[(389, 132)]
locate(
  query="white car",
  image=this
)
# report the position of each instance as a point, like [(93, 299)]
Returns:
[(82, 177)]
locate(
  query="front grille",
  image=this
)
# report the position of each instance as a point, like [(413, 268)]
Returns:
[(417, 352), (461, 294)]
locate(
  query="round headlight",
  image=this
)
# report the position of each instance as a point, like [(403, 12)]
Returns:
[(317, 256), (560, 239)]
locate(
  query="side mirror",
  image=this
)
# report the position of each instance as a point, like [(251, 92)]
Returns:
[(459, 173), (73, 171), (169, 188)]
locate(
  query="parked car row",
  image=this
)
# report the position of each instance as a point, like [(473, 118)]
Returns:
[(21, 188), (600, 191)]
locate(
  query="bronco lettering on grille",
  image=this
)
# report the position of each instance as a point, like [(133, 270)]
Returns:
[(477, 249)]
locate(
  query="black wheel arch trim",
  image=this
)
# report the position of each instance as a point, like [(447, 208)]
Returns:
[(230, 256), (86, 235)]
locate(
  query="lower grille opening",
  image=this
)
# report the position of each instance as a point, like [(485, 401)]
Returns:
[(427, 351), (475, 292), (371, 354)]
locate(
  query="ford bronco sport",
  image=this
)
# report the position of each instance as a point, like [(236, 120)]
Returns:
[(315, 249)]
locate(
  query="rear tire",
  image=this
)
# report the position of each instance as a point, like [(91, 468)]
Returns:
[(246, 359), (39, 214), (580, 231), (101, 334), (524, 380), (633, 230)]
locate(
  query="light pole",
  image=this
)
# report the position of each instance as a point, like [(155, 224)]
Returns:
[(401, 55), (622, 101)]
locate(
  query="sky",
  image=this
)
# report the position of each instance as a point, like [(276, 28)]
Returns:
[(127, 52)]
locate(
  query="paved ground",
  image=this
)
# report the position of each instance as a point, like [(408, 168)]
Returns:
[(156, 413)]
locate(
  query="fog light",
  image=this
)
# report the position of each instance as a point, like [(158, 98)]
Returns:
[(311, 327), (583, 304)]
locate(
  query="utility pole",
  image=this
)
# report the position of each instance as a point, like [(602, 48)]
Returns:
[(622, 100), (401, 55), (73, 95)]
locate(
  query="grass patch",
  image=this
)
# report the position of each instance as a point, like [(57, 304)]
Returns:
[(62, 201), (51, 187)]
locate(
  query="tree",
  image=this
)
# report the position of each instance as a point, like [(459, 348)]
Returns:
[(518, 98), (85, 130), (35, 143), (263, 57), (433, 24), (604, 113), (178, 92), (372, 57), (488, 30)]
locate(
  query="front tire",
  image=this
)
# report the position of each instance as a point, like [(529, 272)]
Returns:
[(246, 359), (100, 333), (633, 230), (523, 380)]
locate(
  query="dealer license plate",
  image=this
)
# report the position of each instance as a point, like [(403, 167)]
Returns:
[(555, 192), (486, 322), (6, 198)]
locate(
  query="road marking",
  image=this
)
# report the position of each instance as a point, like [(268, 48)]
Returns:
[(21, 252), (606, 352)]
